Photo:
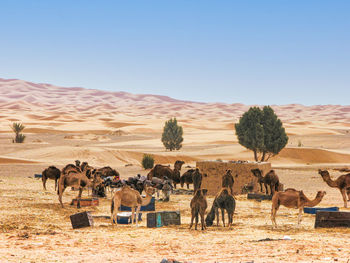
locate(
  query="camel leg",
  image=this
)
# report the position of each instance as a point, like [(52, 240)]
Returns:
[(202, 220), (132, 215), (217, 216), (192, 217), (61, 189), (267, 191), (272, 190), (343, 193), (300, 215), (196, 224), (44, 182), (55, 184), (188, 186), (348, 192), (116, 203), (79, 197), (137, 215), (175, 185), (273, 215), (261, 190), (223, 216)]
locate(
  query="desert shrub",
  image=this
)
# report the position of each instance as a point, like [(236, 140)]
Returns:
[(172, 135), (147, 161)]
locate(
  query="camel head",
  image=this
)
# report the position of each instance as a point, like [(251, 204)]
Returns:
[(320, 194), (256, 172), (210, 219), (228, 172), (77, 163), (178, 164), (97, 181), (324, 173), (149, 190)]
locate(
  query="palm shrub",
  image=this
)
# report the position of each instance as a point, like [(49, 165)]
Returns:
[(17, 128), (147, 161)]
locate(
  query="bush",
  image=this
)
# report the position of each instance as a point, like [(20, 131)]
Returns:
[(172, 135), (262, 132), (147, 161), (17, 128)]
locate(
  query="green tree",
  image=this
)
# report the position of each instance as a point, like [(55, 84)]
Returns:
[(17, 128), (262, 132), (147, 161), (172, 135)]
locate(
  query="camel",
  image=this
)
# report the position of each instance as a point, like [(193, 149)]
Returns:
[(197, 177), (292, 198), (228, 180), (198, 206), (71, 167), (127, 196), (342, 183), (225, 201), (77, 163), (50, 173), (161, 170), (186, 178), (77, 180), (270, 179), (107, 171)]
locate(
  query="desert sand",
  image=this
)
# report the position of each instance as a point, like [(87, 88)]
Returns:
[(116, 129)]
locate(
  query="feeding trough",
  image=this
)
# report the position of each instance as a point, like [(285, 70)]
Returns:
[(125, 218), (86, 202), (259, 196), (150, 207), (314, 210)]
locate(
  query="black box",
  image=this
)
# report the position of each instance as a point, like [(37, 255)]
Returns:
[(170, 218), (80, 220), (332, 219), (154, 220)]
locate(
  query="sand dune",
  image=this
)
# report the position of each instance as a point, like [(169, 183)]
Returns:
[(118, 127)]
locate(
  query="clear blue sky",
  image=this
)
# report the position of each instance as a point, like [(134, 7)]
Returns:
[(252, 52)]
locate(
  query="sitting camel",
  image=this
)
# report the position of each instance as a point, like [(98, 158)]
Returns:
[(342, 183), (198, 206), (225, 201), (127, 196), (270, 179), (50, 173), (161, 170), (292, 198), (77, 180)]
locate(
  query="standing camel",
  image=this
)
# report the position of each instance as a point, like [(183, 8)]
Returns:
[(225, 201), (77, 180), (131, 198), (198, 206), (161, 170), (186, 178), (50, 173), (270, 179), (342, 183), (292, 198), (228, 180)]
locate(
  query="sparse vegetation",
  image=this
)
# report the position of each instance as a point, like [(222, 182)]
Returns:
[(300, 144), (262, 132), (147, 161), (172, 135), (17, 128)]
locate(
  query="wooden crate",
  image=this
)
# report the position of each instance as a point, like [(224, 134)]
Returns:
[(154, 220), (170, 218), (80, 220), (150, 207), (216, 169), (259, 196), (86, 202), (332, 219)]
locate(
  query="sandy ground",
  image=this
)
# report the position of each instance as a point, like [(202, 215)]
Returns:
[(116, 129)]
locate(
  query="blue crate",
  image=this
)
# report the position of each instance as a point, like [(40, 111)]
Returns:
[(150, 207), (313, 210), (125, 218)]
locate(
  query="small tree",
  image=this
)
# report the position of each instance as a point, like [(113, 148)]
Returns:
[(172, 135), (17, 128), (262, 132), (147, 161)]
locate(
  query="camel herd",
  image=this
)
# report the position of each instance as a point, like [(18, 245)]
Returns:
[(161, 177)]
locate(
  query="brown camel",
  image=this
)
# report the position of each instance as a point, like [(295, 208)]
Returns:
[(71, 167), (50, 173), (77, 180), (127, 196), (292, 198), (228, 180), (270, 179), (107, 171), (161, 170), (342, 183), (198, 206), (186, 178)]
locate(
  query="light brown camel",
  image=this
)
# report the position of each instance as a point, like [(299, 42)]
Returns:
[(228, 180), (50, 173), (198, 206), (342, 183), (77, 180), (270, 179), (292, 198), (161, 170), (127, 196)]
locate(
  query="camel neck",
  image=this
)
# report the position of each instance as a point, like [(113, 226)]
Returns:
[(312, 203), (330, 182), (146, 200)]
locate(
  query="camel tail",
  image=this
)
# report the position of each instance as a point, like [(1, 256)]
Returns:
[(112, 206), (43, 175)]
